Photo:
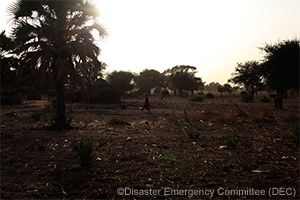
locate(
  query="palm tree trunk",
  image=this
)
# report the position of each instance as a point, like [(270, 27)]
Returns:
[(279, 99), (61, 120)]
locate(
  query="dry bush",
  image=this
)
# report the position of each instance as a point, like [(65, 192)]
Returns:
[(208, 111), (227, 118), (117, 120), (256, 117), (186, 117), (289, 116), (262, 114), (195, 117), (239, 112), (172, 116)]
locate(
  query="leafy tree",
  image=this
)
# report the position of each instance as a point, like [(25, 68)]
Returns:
[(148, 79), (122, 80), (228, 88), (182, 79), (221, 89), (280, 68), (247, 74), (212, 87), (56, 37)]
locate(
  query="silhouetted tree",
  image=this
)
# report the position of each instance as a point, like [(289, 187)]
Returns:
[(212, 87), (148, 79), (8, 62), (56, 37), (122, 80), (182, 79), (280, 68), (247, 74), (227, 88), (221, 89)]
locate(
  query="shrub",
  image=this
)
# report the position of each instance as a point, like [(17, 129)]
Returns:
[(265, 99), (193, 134), (36, 116), (239, 111), (165, 93), (78, 180), (247, 99), (232, 142), (170, 156), (157, 90), (197, 99), (210, 95), (85, 152), (227, 117), (117, 120)]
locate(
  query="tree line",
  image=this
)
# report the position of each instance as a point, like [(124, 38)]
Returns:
[(279, 70), (52, 43), (181, 79)]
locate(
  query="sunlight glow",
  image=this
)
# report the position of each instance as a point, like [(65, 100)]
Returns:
[(162, 34), (212, 35)]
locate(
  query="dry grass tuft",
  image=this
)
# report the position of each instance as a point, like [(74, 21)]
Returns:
[(172, 116), (227, 118), (118, 120), (239, 111), (262, 115), (289, 116), (256, 117), (267, 113), (195, 117), (186, 117), (208, 111)]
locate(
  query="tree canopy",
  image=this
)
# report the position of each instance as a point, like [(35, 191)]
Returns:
[(148, 79), (56, 37), (281, 65), (182, 79), (280, 68), (247, 74), (122, 80)]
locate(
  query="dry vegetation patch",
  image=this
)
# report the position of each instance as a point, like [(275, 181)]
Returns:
[(180, 144)]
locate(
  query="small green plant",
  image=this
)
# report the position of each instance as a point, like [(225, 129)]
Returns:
[(85, 152), (232, 142), (265, 99), (36, 116), (197, 99), (170, 156), (210, 95), (193, 134)]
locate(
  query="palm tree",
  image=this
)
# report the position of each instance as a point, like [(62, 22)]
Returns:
[(7, 60), (56, 37)]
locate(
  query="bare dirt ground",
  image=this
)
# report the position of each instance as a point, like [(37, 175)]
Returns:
[(153, 152)]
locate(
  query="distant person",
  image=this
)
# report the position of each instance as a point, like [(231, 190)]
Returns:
[(146, 104)]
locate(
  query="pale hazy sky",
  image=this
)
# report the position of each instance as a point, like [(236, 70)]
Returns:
[(212, 35)]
